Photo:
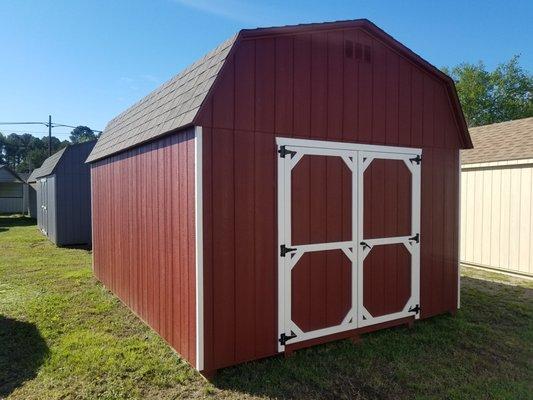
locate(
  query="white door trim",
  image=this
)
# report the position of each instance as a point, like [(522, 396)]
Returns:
[(412, 245), (287, 262), (357, 157)]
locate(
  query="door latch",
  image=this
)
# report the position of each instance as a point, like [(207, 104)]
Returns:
[(365, 245)]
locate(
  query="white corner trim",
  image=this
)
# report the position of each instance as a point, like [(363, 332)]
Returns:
[(459, 233), (199, 248)]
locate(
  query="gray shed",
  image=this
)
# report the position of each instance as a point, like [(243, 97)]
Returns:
[(63, 195), (32, 193), (12, 198)]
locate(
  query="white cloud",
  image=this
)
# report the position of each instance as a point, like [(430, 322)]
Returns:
[(230, 9)]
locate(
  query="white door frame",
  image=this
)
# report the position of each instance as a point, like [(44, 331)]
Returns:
[(357, 157), (44, 205), (411, 242)]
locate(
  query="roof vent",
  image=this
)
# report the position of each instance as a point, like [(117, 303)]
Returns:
[(368, 54), (357, 51), (348, 48)]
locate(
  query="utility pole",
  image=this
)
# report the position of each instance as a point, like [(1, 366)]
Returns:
[(49, 135)]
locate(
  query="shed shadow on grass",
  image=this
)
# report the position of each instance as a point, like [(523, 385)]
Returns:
[(22, 352), (10, 221), (385, 363)]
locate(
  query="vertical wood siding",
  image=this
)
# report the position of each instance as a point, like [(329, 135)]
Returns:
[(304, 86), (497, 215), (144, 234)]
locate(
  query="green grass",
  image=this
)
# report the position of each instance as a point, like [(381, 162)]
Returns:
[(64, 336)]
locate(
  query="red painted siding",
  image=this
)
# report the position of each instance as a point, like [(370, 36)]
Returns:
[(144, 235), (304, 85)]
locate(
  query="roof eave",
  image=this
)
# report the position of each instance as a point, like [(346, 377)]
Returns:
[(90, 160)]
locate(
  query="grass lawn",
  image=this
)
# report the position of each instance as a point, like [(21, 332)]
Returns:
[(64, 336)]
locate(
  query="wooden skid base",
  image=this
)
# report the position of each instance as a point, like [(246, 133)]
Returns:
[(209, 375), (353, 335)]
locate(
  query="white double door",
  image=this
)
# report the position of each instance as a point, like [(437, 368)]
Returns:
[(349, 236)]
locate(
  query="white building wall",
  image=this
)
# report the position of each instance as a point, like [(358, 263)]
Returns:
[(497, 215)]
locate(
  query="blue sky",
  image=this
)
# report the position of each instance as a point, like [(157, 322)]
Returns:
[(86, 61)]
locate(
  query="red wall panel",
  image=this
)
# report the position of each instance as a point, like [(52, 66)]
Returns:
[(305, 85), (144, 234)]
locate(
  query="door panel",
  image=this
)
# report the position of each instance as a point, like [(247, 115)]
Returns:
[(321, 200), (389, 236), (387, 195), (321, 289), (386, 279)]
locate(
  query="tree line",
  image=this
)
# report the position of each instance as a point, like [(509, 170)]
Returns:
[(25, 152), (487, 97)]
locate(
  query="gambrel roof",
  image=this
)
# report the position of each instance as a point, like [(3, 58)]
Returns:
[(169, 107), (176, 104)]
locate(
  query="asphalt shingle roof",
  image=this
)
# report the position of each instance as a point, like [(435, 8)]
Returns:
[(48, 166), (511, 140), (171, 106), (33, 176)]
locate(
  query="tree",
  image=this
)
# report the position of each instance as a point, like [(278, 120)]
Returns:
[(25, 152), (82, 134), (493, 96), (2, 144)]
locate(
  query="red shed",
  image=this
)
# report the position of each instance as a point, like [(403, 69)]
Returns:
[(295, 186)]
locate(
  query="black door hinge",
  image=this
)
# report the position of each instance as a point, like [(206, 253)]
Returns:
[(284, 338), (415, 238), (284, 250), (283, 152), (365, 245), (416, 159), (416, 309)]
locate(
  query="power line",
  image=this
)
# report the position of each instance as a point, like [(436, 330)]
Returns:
[(49, 125), (36, 132), (54, 125)]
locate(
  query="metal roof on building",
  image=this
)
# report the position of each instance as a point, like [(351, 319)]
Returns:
[(503, 141)]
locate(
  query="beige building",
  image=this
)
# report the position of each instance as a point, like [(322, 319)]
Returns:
[(497, 197)]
